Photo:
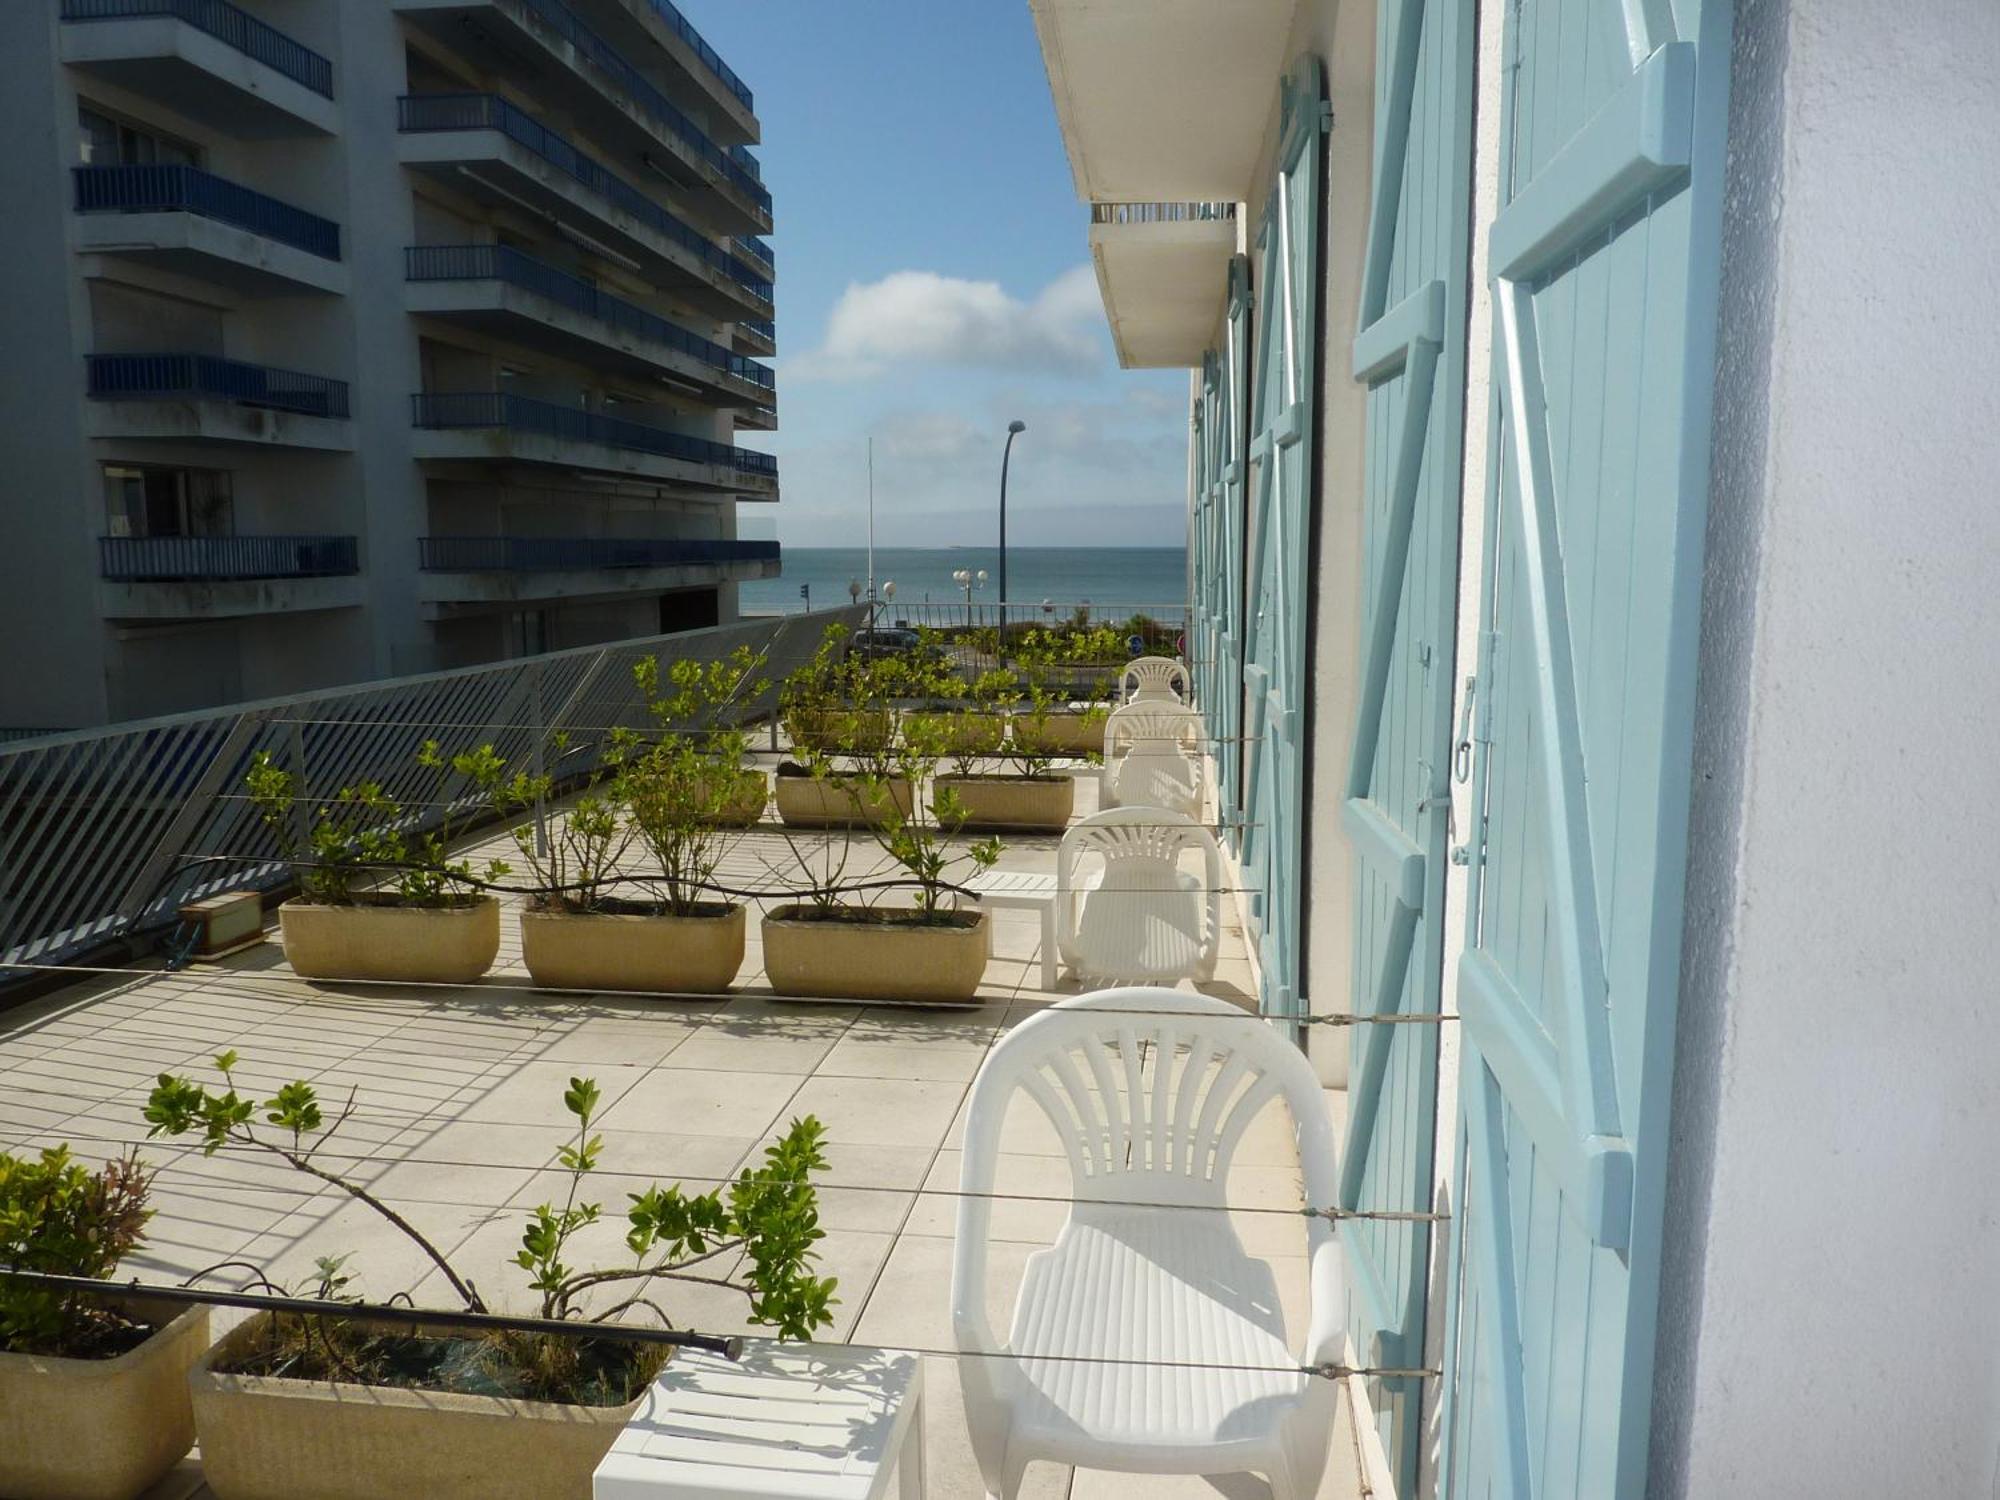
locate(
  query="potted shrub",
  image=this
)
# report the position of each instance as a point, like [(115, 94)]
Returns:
[(379, 898), (324, 1407), (932, 951), (1019, 791), (93, 1391), (1072, 679), (968, 717), (845, 779)]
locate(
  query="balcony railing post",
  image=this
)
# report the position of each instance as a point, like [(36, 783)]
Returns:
[(537, 720)]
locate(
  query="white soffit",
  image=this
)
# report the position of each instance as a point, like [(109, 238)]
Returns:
[(1163, 287), (1163, 100)]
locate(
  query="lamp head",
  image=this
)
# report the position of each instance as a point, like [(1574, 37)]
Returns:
[(1017, 426)]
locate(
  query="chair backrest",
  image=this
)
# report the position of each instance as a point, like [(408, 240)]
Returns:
[(1150, 1091), (1141, 849), (1153, 679), (1159, 725)]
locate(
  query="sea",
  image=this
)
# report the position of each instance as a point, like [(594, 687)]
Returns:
[(1114, 581)]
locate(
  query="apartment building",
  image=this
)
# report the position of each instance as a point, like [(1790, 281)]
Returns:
[(349, 340)]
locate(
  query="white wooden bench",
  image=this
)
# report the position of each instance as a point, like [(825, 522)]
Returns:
[(779, 1424)]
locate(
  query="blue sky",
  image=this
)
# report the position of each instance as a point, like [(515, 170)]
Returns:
[(934, 282)]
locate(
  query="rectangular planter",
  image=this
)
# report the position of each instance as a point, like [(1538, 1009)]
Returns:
[(838, 802), (1062, 734), (961, 733), (858, 731), (382, 940), (633, 951), (267, 1438), (838, 960), (100, 1429), (1032, 804)]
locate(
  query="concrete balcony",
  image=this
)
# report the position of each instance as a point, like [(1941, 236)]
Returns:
[(756, 336), (503, 292), (1163, 271), (481, 428), (657, 31), (482, 145), (201, 398), (212, 577), (202, 225), (496, 569), (206, 60), (545, 46)]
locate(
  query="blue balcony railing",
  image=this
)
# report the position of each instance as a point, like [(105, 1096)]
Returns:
[(154, 377), (227, 24), (682, 28), (546, 554), (421, 113), (504, 263), (213, 559), (479, 409), (758, 251), (763, 328), (176, 189)]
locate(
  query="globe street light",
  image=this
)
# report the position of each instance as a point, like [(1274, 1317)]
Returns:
[(1014, 430)]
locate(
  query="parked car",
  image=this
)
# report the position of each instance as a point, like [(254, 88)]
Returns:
[(886, 641)]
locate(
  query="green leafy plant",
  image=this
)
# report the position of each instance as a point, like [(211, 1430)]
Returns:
[(573, 859), (770, 1214), (61, 1218), (363, 839), (924, 847)]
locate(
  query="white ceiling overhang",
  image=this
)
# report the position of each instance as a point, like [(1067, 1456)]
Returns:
[(1163, 286)]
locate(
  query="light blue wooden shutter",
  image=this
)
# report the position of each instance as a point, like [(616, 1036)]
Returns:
[(1410, 352), (1604, 256), (1218, 668), (1278, 628)]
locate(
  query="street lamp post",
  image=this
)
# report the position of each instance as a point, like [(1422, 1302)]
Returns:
[(968, 580), (1014, 430)]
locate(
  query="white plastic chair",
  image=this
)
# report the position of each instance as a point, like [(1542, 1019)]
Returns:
[(1137, 916), (1128, 1280), (1153, 758), (1154, 679)]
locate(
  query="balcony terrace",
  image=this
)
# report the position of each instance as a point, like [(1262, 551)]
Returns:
[(545, 46), (502, 291), (498, 426), (202, 397), (486, 569), (756, 336), (457, 1121), (161, 578), (488, 147), (658, 31), (206, 60), (1161, 269), (199, 224)]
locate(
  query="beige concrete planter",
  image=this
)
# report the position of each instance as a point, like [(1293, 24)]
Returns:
[(835, 732), (1062, 734), (1037, 804), (266, 1438), (99, 1429), (382, 940), (864, 960), (963, 733), (839, 802), (693, 955)]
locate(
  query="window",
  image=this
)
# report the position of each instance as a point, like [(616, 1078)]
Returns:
[(167, 502), (105, 142), (528, 632)]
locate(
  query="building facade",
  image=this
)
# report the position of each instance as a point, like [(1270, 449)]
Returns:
[(1593, 577), (358, 340)]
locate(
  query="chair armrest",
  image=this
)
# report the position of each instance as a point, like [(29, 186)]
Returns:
[(1326, 1285)]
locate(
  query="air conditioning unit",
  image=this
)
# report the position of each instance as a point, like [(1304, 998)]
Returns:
[(225, 923)]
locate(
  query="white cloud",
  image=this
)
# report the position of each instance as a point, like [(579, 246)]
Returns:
[(921, 317)]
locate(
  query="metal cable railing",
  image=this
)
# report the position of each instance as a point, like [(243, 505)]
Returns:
[(228, 25), (504, 263), (104, 834), (536, 554), (163, 188), (423, 113), (464, 409), (606, 58), (163, 559), (144, 377)]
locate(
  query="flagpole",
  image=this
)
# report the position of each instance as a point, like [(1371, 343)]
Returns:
[(871, 520)]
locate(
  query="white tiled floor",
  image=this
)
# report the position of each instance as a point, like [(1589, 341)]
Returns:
[(458, 1116)]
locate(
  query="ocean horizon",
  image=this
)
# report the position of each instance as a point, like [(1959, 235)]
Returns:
[(1120, 579)]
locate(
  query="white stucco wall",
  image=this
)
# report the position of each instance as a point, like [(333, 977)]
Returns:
[(1830, 1320)]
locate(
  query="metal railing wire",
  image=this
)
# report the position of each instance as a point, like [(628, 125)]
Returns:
[(505, 263), (420, 114), (228, 25), (170, 188), (143, 377), (105, 834)]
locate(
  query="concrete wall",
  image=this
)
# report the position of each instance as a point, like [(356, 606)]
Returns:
[(1830, 1324)]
